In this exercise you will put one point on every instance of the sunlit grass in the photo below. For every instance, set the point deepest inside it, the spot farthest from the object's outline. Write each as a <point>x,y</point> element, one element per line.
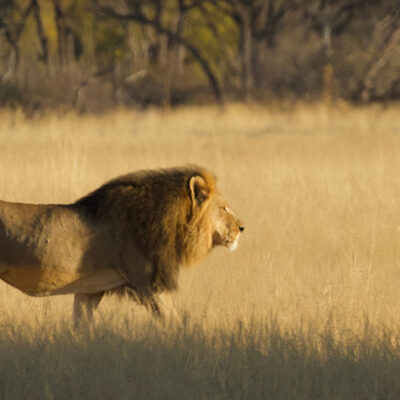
<point>307,307</point>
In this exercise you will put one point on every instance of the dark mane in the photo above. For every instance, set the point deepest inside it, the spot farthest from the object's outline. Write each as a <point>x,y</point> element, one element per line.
<point>153,208</point>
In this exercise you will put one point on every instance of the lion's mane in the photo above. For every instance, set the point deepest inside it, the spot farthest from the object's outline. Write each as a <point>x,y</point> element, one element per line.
<point>155,208</point>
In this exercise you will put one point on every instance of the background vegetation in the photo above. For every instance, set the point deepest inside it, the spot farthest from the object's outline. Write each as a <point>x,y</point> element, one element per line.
<point>95,54</point>
<point>306,308</point>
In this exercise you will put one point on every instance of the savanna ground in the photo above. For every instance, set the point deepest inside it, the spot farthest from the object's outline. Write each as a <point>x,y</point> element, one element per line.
<point>308,307</point>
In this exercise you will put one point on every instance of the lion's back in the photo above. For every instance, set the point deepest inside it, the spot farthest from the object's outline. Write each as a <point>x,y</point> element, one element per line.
<point>44,248</point>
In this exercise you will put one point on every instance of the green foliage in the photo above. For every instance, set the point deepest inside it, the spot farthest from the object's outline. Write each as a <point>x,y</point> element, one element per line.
<point>210,29</point>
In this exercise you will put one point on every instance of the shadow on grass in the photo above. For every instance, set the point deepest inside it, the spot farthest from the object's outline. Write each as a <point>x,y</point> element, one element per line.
<point>253,362</point>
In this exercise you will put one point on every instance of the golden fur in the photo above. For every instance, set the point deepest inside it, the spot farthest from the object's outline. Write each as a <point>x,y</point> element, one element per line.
<point>132,235</point>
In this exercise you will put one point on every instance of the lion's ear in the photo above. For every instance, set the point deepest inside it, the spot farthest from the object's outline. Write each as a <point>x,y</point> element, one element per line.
<point>199,190</point>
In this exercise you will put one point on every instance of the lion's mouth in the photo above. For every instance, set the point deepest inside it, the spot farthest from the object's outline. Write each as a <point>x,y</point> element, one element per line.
<point>232,245</point>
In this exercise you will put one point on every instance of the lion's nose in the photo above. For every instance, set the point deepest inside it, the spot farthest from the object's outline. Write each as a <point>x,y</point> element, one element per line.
<point>241,228</point>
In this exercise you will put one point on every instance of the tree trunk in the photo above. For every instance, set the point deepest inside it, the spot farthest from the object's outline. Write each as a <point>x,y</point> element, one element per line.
<point>173,53</point>
<point>14,58</point>
<point>379,62</point>
<point>13,63</point>
<point>327,74</point>
<point>245,51</point>
<point>61,27</point>
<point>44,56</point>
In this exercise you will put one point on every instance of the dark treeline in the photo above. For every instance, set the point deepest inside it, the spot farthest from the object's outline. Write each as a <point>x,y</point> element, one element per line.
<point>95,54</point>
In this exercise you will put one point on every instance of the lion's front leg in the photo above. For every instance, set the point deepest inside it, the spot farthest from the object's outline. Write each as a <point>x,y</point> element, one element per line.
<point>84,305</point>
<point>163,308</point>
<point>161,305</point>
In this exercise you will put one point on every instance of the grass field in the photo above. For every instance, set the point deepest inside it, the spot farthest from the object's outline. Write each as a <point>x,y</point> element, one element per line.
<point>308,307</point>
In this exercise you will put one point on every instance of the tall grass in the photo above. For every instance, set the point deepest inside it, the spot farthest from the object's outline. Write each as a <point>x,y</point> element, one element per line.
<point>306,308</point>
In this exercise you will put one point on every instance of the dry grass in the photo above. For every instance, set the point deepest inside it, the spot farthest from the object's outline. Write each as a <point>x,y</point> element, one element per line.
<point>307,307</point>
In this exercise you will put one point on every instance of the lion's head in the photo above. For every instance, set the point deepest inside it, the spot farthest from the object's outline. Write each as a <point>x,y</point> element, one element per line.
<point>175,216</point>
<point>211,212</point>
<point>226,226</point>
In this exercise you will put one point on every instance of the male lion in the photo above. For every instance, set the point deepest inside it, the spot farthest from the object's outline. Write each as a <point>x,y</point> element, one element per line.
<point>130,236</point>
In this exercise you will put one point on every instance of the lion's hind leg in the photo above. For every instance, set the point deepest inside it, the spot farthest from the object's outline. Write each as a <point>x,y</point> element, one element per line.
<point>84,305</point>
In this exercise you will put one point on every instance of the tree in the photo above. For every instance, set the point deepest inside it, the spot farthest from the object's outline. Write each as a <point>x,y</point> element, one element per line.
<point>330,18</point>
<point>258,23</point>
<point>12,29</point>
<point>378,62</point>
<point>137,12</point>
<point>44,55</point>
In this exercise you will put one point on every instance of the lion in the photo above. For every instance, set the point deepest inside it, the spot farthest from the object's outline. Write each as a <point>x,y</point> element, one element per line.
<point>132,235</point>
